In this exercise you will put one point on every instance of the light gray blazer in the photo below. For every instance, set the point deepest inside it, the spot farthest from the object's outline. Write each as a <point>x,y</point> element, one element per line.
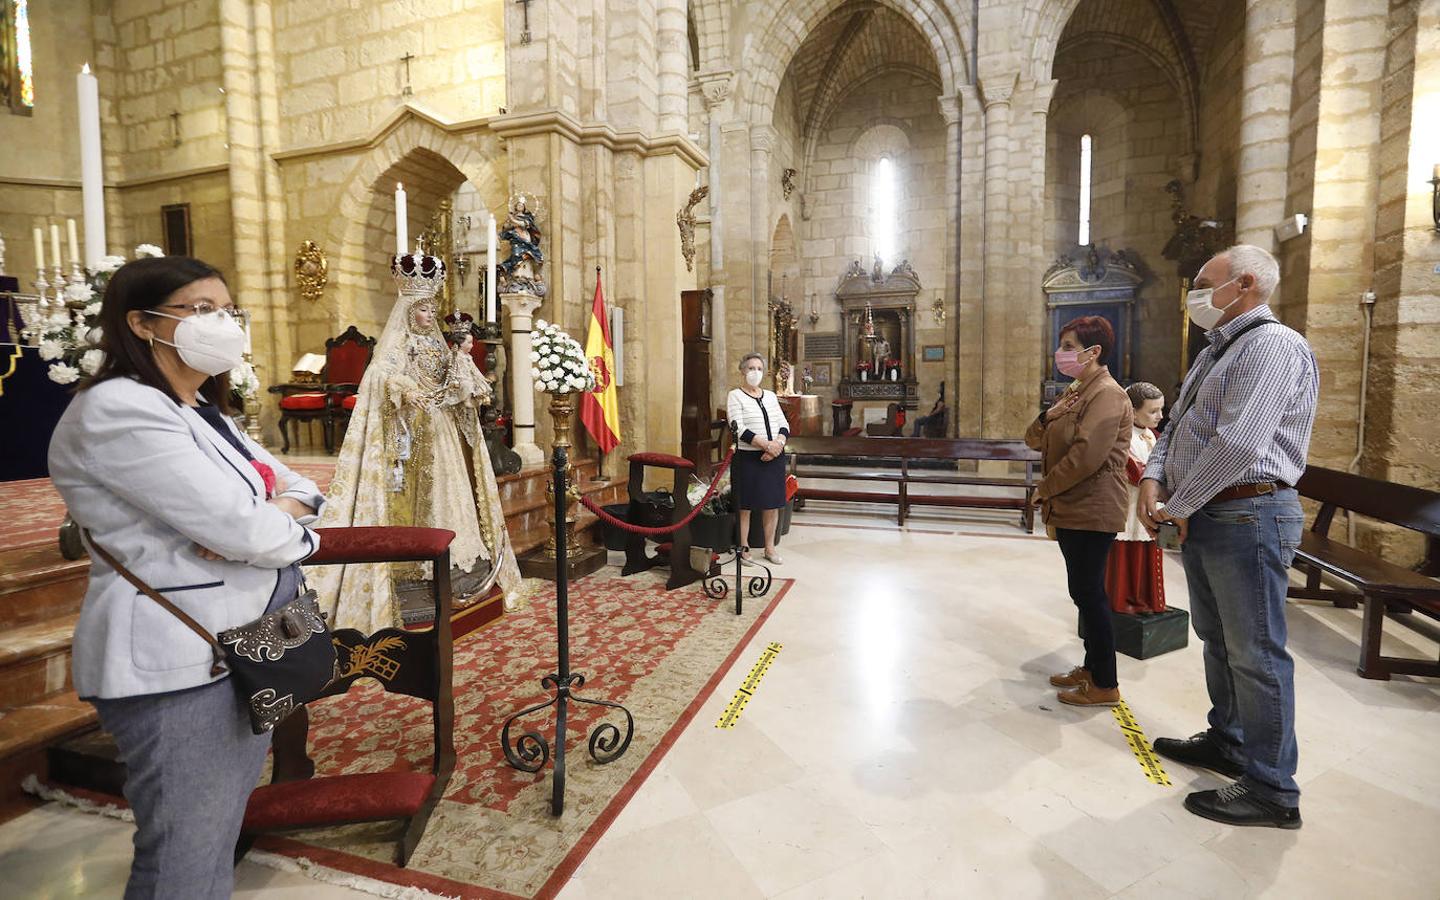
<point>150,478</point>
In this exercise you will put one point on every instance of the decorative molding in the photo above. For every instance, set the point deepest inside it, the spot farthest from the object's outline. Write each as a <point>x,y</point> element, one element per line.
<point>393,121</point>
<point>787,182</point>
<point>763,138</point>
<point>715,87</point>
<point>685,221</point>
<point>557,122</point>
<point>143,181</point>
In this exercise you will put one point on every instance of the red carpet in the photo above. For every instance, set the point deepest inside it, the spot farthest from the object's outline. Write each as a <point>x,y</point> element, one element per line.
<point>31,511</point>
<point>660,653</point>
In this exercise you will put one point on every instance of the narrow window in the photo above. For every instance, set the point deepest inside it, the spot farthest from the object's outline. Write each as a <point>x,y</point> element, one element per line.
<point>1085,152</point>
<point>882,205</point>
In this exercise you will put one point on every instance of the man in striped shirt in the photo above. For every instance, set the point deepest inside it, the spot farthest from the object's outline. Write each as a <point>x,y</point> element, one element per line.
<point>1225,469</point>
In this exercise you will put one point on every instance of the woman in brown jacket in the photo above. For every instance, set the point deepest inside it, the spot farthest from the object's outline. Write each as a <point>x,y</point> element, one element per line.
<point>1084,439</point>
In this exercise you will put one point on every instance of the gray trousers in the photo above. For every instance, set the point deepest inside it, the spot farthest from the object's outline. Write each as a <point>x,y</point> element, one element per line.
<point>191,763</point>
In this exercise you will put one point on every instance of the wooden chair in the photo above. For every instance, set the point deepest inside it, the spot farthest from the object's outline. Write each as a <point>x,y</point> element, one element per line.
<point>347,356</point>
<point>415,663</point>
<point>893,426</point>
<point>636,559</point>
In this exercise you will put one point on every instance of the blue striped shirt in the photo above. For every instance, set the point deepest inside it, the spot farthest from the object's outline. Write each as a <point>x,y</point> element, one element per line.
<point>1250,420</point>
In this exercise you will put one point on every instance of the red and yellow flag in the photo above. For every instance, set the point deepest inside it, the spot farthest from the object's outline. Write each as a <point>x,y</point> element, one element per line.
<point>600,408</point>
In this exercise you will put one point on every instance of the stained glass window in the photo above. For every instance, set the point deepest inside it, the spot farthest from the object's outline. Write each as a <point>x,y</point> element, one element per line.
<point>24,62</point>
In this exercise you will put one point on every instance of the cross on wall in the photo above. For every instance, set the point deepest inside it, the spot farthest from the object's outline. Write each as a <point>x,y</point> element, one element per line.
<point>525,31</point>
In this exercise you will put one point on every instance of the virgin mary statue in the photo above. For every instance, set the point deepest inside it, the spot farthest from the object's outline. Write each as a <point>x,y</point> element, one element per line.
<point>413,456</point>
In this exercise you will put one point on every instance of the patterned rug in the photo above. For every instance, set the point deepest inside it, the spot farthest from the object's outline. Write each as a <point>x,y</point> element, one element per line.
<point>31,511</point>
<point>659,652</point>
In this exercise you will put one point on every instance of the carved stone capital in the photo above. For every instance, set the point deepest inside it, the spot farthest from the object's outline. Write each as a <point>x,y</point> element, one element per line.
<point>996,90</point>
<point>1044,93</point>
<point>763,138</point>
<point>950,109</point>
<point>715,87</point>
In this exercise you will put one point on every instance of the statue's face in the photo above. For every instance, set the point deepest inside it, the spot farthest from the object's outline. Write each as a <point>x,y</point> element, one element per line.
<point>423,315</point>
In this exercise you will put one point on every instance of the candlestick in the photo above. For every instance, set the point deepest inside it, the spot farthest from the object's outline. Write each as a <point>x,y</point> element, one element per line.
<point>402,226</point>
<point>92,174</point>
<point>491,313</point>
<point>74,244</point>
<point>40,253</point>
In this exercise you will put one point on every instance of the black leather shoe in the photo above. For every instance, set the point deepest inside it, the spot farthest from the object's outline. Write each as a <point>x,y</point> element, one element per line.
<point>1236,805</point>
<point>1200,752</point>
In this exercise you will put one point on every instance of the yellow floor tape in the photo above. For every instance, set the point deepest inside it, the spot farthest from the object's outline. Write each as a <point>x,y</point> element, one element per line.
<point>1135,737</point>
<point>747,688</point>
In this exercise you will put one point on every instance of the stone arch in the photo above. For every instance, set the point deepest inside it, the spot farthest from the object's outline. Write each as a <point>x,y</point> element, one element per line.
<point>710,24</point>
<point>360,230</point>
<point>785,258</point>
<point>789,23</point>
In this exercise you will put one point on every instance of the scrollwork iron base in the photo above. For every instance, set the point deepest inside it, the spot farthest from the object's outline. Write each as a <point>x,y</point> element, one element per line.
<point>756,585</point>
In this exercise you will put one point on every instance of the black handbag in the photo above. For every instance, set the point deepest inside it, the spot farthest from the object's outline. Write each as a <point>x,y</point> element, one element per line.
<point>278,663</point>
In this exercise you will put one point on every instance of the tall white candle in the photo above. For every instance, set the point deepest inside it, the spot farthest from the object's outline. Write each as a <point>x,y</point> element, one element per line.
<point>55,245</point>
<point>249,324</point>
<point>402,225</point>
<point>39,249</point>
<point>491,314</point>
<point>74,244</point>
<point>92,174</point>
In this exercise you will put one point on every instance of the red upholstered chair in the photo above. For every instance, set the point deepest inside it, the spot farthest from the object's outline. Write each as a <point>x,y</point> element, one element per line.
<point>346,358</point>
<point>416,663</point>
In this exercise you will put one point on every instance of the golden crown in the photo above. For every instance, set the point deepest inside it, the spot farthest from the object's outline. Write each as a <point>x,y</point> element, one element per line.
<point>418,276</point>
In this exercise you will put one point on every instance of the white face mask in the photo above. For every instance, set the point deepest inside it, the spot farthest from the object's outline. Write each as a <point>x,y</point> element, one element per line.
<point>753,377</point>
<point>1204,313</point>
<point>212,343</point>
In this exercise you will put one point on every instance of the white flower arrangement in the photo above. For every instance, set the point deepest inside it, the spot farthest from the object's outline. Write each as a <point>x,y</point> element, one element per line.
<point>63,373</point>
<point>90,361</point>
<point>244,383</point>
<point>559,363</point>
<point>108,265</point>
<point>144,250</point>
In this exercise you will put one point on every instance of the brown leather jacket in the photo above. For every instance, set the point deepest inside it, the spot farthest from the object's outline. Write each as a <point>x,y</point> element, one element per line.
<point>1083,458</point>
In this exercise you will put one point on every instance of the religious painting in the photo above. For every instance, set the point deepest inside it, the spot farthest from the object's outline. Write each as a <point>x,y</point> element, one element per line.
<point>933,353</point>
<point>823,373</point>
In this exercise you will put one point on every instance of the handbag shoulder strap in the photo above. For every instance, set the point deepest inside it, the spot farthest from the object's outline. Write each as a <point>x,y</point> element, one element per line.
<point>219,667</point>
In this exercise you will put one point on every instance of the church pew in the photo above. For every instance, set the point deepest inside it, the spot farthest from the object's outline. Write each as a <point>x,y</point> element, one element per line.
<point>863,450</point>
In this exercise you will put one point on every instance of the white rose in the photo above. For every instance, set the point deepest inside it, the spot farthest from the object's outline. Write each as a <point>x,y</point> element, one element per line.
<point>148,250</point>
<point>108,264</point>
<point>91,360</point>
<point>540,324</point>
<point>93,309</point>
<point>79,292</point>
<point>60,373</point>
<point>94,335</point>
<point>535,372</point>
<point>51,350</point>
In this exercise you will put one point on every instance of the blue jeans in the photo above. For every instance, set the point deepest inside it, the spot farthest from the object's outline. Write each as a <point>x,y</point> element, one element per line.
<point>1236,558</point>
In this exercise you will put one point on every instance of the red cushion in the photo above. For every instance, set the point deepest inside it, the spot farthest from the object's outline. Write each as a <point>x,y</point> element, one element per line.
<point>349,401</point>
<point>303,401</point>
<point>851,432</point>
<point>377,543</point>
<point>842,402</point>
<point>661,460</point>
<point>363,797</point>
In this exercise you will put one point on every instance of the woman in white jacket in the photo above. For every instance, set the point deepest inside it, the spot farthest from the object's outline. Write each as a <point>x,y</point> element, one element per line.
<point>160,478</point>
<point>759,464</point>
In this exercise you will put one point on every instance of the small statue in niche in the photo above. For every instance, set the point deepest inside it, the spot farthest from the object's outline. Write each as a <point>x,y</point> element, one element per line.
<point>877,272</point>
<point>856,270</point>
<point>520,271</point>
<point>903,269</point>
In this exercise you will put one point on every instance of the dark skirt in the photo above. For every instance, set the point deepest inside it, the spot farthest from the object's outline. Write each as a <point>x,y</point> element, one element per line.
<point>761,484</point>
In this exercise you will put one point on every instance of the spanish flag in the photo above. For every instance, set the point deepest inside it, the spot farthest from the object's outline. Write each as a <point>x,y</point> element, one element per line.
<point>600,408</point>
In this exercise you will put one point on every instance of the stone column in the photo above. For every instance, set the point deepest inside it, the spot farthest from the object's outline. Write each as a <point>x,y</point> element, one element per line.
<point>999,253</point>
<point>1266,81</point>
<point>762,143</point>
<point>716,92</point>
<point>522,308</point>
<point>950,112</point>
<point>672,40</point>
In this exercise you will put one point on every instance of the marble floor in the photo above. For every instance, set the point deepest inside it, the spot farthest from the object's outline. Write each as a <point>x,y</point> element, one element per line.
<point>904,744</point>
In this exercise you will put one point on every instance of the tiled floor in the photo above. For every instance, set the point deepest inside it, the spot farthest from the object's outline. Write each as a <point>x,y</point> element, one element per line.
<point>904,744</point>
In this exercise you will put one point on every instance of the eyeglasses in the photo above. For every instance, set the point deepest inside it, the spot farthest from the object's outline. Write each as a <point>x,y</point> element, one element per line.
<point>203,308</point>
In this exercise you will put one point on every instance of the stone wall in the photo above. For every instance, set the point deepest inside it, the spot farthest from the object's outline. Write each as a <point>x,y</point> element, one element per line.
<point>1130,109</point>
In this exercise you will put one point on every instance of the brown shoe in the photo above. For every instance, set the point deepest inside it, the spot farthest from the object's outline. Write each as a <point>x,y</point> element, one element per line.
<point>1073,678</point>
<point>1088,694</point>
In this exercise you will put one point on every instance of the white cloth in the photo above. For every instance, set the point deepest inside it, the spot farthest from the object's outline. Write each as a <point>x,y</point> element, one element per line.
<point>761,416</point>
<point>1142,444</point>
<point>151,479</point>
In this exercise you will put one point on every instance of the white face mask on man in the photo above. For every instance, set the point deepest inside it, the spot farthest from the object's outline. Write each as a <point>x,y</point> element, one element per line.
<point>1203,312</point>
<point>213,342</point>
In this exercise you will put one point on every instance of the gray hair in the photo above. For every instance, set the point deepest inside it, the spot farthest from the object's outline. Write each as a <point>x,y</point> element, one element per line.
<point>1141,391</point>
<point>749,356</point>
<point>1248,259</point>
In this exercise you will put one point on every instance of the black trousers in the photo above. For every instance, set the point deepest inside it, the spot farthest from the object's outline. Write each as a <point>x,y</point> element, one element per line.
<point>1086,553</point>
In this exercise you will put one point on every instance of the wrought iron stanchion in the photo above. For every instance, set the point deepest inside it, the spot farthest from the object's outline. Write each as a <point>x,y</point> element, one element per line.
<point>714,583</point>
<point>530,751</point>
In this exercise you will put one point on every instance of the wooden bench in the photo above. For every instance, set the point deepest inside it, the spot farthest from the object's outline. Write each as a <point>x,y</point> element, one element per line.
<point>907,451</point>
<point>1384,588</point>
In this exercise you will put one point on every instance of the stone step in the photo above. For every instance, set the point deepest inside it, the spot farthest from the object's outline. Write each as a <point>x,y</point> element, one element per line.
<point>46,721</point>
<point>37,583</point>
<point>35,660</point>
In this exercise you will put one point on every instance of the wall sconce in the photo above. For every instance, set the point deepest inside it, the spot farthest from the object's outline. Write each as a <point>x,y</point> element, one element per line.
<point>1435,196</point>
<point>937,311</point>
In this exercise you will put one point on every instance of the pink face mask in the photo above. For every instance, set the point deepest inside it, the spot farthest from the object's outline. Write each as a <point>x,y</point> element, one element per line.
<point>1068,362</point>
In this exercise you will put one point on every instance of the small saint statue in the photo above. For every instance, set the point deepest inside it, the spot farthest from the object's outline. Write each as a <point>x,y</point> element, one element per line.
<point>520,271</point>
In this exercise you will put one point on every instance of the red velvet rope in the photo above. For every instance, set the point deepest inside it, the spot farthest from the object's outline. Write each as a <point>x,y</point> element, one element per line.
<point>668,529</point>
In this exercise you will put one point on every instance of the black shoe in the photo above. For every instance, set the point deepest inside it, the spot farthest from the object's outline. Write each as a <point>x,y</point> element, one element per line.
<point>1236,805</point>
<point>1199,752</point>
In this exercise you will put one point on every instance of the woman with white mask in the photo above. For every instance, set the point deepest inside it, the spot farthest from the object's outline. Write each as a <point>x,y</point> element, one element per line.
<point>166,487</point>
<point>759,465</point>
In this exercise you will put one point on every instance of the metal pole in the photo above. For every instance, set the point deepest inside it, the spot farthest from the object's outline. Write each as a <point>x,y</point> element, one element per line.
<point>562,630</point>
